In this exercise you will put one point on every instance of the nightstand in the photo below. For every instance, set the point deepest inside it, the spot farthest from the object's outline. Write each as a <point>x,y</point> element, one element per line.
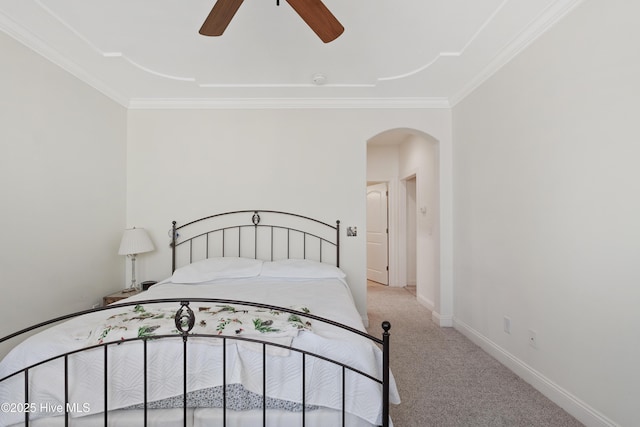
<point>118,296</point>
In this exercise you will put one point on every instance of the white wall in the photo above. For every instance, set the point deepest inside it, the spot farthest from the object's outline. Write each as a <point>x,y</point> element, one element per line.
<point>63,190</point>
<point>411,210</point>
<point>383,162</point>
<point>419,158</point>
<point>546,212</point>
<point>185,164</point>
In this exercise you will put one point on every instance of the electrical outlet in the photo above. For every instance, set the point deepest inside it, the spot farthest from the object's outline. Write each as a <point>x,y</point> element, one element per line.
<point>533,338</point>
<point>506,324</point>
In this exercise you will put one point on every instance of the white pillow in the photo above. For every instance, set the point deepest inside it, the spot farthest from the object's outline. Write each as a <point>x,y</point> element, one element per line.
<point>217,268</point>
<point>301,268</point>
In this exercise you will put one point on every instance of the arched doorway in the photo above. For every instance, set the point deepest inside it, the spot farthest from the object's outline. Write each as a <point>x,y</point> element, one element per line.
<point>407,160</point>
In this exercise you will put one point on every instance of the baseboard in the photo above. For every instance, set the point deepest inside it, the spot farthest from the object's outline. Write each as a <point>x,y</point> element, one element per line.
<point>442,321</point>
<point>428,304</point>
<point>561,397</point>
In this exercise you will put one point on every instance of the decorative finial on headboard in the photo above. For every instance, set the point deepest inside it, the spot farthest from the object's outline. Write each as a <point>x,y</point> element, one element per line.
<point>173,234</point>
<point>255,218</point>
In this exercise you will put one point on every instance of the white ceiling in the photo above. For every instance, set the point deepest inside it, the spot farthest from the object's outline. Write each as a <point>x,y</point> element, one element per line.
<point>404,53</point>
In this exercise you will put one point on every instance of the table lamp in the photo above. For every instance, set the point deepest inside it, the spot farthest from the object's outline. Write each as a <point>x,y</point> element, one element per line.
<point>135,241</point>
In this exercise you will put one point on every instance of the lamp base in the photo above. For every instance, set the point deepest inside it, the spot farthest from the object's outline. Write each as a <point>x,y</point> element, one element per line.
<point>134,285</point>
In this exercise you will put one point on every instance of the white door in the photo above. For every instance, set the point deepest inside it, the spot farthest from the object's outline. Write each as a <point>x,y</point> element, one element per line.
<point>377,234</point>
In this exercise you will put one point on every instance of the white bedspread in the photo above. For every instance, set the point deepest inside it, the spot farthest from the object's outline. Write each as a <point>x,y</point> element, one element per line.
<point>329,298</point>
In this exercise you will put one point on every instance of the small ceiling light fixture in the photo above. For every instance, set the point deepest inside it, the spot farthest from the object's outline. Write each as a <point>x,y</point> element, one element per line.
<point>319,79</point>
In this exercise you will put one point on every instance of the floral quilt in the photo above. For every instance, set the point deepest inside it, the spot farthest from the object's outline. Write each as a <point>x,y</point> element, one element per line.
<point>228,320</point>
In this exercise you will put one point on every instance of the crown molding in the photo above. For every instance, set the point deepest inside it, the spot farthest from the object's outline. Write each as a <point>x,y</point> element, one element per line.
<point>454,54</point>
<point>549,17</point>
<point>288,103</point>
<point>539,25</point>
<point>32,42</point>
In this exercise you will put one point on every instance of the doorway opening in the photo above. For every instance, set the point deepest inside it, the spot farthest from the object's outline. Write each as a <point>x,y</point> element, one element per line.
<point>406,162</point>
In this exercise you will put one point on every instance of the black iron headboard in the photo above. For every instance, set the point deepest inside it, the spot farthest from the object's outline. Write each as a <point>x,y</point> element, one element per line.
<point>261,234</point>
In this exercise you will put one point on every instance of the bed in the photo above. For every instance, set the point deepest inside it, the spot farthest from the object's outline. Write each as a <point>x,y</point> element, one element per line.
<point>256,326</point>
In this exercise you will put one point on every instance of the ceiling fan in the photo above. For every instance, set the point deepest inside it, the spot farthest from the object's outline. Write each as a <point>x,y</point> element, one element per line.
<point>313,12</point>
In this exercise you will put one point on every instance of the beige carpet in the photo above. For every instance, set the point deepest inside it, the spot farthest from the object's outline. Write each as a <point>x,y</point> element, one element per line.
<point>446,380</point>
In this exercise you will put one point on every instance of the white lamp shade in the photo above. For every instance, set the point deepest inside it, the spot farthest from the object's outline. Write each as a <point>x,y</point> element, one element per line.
<point>135,241</point>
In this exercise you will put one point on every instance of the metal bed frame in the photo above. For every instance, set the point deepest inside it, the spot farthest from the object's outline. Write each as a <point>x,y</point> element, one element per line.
<point>220,236</point>
<point>185,319</point>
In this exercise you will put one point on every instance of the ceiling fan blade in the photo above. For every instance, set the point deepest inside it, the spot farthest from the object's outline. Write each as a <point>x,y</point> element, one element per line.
<point>219,17</point>
<point>319,18</point>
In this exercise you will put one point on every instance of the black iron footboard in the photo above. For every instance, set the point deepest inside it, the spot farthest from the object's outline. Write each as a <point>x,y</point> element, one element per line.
<point>185,319</point>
